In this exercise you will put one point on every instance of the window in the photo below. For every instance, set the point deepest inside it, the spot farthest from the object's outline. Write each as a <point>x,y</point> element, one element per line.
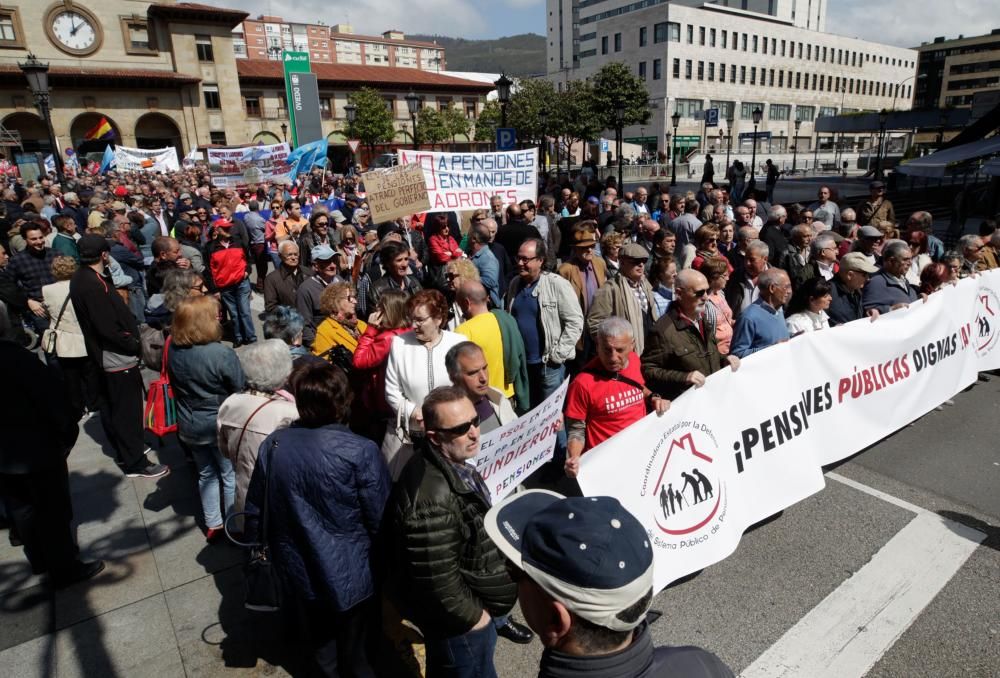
<point>782,48</point>
<point>618,42</point>
<point>814,81</point>
<point>747,109</point>
<point>217,138</point>
<point>325,108</point>
<point>827,111</point>
<point>642,70</point>
<point>755,44</point>
<point>779,112</point>
<point>798,81</point>
<point>667,31</point>
<point>657,69</point>
<point>11,33</point>
<point>604,44</point>
<point>135,32</point>
<point>203,43</point>
<point>753,75</point>
<point>809,52</point>
<point>470,108</point>
<point>711,72</point>
<point>251,102</point>
<point>732,73</point>
<point>743,75</point>
<point>677,68</point>
<point>765,46</point>
<point>211,94</point>
<point>711,38</point>
<point>690,35</point>
<point>642,36</point>
<point>736,41</point>
<point>701,70</point>
<point>725,39</point>
<point>690,108</point>
<point>701,36</point>
<point>771,78</point>
<point>781,78</point>
<point>744,42</point>
<point>722,72</point>
<point>687,69</point>
<point>805,113</point>
<point>725,108</point>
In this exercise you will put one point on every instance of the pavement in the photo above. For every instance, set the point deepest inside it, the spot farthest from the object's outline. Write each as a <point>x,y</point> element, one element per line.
<point>892,571</point>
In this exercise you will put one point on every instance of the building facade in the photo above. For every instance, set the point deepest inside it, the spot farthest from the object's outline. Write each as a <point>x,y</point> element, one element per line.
<point>732,56</point>
<point>951,72</point>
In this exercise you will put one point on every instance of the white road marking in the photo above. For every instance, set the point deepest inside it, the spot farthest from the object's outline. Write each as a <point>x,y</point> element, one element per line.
<point>878,494</point>
<point>852,628</point>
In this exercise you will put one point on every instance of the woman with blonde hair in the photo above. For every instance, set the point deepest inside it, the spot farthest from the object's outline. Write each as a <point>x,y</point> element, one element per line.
<point>339,303</point>
<point>203,373</point>
<point>455,273</point>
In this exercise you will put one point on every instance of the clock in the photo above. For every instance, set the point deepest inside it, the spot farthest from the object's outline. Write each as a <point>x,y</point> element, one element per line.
<point>73,29</point>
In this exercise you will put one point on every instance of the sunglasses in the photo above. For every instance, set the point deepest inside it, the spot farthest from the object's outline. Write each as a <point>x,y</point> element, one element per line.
<point>461,429</point>
<point>699,293</point>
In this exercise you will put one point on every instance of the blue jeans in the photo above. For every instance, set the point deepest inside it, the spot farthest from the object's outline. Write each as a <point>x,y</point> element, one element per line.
<point>237,301</point>
<point>543,380</point>
<point>469,655</point>
<point>216,482</point>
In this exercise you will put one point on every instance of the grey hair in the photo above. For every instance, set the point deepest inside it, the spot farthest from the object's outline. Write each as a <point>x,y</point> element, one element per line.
<point>177,284</point>
<point>266,364</point>
<point>613,327</point>
<point>284,323</point>
<point>759,247</point>
<point>802,229</point>
<point>771,276</point>
<point>746,233</point>
<point>285,244</point>
<point>848,215</point>
<point>775,212</point>
<point>480,234</point>
<point>70,196</point>
<point>454,353</point>
<point>822,241</point>
<point>969,241</point>
<point>921,219</point>
<point>893,248</point>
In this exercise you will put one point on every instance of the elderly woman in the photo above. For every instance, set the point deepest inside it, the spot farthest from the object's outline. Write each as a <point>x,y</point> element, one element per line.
<point>611,245</point>
<point>807,307</point>
<point>717,310</point>
<point>64,338</point>
<point>455,273</point>
<point>662,278</point>
<point>415,367</point>
<point>245,419</point>
<point>917,240</point>
<point>933,277</point>
<point>341,327</point>
<point>286,324</point>
<point>178,284</point>
<point>953,262</point>
<point>326,490</point>
<point>387,321</point>
<point>350,252</point>
<point>706,243</point>
<point>203,373</point>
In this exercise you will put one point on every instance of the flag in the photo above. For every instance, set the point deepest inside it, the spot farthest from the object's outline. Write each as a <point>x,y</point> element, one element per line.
<point>303,158</point>
<point>50,164</point>
<point>102,130</point>
<point>108,160</point>
<point>191,158</point>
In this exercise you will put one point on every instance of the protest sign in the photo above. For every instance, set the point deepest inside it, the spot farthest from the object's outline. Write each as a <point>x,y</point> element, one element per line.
<point>751,443</point>
<point>511,453</point>
<point>146,160</point>
<point>467,181</point>
<point>239,167</point>
<point>396,192</point>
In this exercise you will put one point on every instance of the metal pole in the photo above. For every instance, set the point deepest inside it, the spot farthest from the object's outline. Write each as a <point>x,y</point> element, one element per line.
<point>42,99</point>
<point>413,121</point>
<point>673,171</point>
<point>729,146</point>
<point>753,160</point>
<point>621,145</point>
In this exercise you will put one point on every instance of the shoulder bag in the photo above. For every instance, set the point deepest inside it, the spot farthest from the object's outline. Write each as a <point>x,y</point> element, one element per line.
<point>160,416</point>
<point>50,336</point>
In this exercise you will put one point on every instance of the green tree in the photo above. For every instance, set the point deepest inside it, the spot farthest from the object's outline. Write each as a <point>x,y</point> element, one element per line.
<point>430,127</point>
<point>529,97</point>
<point>613,84</point>
<point>373,122</point>
<point>455,122</point>
<point>575,117</point>
<point>488,121</point>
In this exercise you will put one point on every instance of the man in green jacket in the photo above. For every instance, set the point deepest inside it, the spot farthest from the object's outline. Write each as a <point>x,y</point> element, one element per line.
<point>64,243</point>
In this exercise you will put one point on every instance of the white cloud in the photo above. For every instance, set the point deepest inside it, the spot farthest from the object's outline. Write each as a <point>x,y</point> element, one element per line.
<point>907,24</point>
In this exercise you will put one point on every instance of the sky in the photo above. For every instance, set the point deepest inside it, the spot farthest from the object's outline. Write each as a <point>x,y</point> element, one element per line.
<point>895,22</point>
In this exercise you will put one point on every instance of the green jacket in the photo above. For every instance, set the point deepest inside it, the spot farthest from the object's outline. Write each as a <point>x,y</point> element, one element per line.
<point>65,246</point>
<point>515,359</point>
<point>673,349</point>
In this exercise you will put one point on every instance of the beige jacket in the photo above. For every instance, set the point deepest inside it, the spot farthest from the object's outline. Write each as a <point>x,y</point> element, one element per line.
<point>69,336</point>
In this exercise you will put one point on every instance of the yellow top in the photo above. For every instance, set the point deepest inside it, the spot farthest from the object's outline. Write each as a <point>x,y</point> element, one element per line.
<point>484,330</point>
<point>331,333</point>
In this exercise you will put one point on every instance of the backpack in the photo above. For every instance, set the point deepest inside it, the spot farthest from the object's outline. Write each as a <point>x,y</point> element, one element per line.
<point>152,342</point>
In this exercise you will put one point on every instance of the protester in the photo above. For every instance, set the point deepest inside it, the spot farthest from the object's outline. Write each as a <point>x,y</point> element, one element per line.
<point>228,273</point>
<point>889,290</point>
<point>877,207</point>
<point>166,253</point>
<point>371,356</point>
<point>585,272</point>
<point>64,339</point>
<point>762,324</point>
<point>807,308</point>
<point>717,310</point>
<point>846,291</point>
<point>741,290</point>
<point>31,269</point>
<point>281,285</point>
<point>662,278</point>
<point>971,247</point>
<point>933,278</point>
<point>395,260</point>
<point>456,273</point>
<point>310,290</point>
<point>341,326</point>
<point>629,296</point>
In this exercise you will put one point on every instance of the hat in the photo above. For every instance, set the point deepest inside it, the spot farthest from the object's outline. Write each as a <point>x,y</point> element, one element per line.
<point>634,250</point>
<point>875,185</point>
<point>222,223</point>
<point>90,246</point>
<point>121,191</point>
<point>338,216</point>
<point>185,196</point>
<point>322,253</point>
<point>593,200</point>
<point>584,238</point>
<point>856,261</point>
<point>869,232</point>
<point>118,206</point>
<point>588,553</point>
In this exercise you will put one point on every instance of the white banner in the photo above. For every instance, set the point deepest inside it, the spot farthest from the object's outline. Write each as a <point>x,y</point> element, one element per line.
<point>513,452</point>
<point>146,159</point>
<point>467,181</point>
<point>239,167</point>
<point>749,444</point>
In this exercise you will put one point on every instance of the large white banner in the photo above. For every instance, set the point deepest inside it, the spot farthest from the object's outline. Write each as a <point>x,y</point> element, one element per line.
<point>467,181</point>
<point>511,453</point>
<point>749,444</point>
<point>239,167</point>
<point>146,159</point>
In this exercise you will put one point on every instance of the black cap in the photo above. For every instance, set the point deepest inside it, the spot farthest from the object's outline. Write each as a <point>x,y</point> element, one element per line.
<point>91,246</point>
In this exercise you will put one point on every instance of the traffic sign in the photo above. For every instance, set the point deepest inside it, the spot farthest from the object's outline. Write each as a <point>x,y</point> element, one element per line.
<point>353,144</point>
<point>604,145</point>
<point>506,138</point>
<point>712,117</point>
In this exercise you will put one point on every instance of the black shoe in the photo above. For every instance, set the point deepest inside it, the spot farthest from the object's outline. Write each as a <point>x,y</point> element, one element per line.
<point>80,572</point>
<point>148,470</point>
<point>516,633</point>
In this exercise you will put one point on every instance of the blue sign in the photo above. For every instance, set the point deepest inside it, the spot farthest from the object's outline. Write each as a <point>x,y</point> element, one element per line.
<point>604,145</point>
<point>506,138</point>
<point>712,117</point>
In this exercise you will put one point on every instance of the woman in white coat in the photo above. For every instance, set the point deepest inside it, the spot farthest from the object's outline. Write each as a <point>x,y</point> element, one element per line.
<point>64,341</point>
<point>415,367</point>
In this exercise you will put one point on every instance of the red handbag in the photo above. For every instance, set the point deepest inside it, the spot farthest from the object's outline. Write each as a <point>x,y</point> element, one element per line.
<point>161,409</point>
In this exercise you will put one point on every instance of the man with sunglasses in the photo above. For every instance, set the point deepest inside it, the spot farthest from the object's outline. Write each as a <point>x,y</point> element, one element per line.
<point>446,575</point>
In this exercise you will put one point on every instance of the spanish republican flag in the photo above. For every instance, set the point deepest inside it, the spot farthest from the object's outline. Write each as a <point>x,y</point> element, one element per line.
<point>102,130</point>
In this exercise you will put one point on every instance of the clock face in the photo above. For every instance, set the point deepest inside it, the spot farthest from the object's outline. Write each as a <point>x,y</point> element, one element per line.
<point>74,30</point>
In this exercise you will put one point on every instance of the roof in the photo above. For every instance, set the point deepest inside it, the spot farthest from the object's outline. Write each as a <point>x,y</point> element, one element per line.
<point>106,77</point>
<point>380,38</point>
<point>192,11</point>
<point>938,164</point>
<point>353,75</point>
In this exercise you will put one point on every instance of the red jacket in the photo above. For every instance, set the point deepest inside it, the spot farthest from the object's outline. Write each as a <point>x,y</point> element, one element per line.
<point>227,266</point>
<point>443,249</point>
<point>370,359</point>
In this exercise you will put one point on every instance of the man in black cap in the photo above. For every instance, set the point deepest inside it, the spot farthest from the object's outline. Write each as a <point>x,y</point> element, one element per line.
<point>112,338</point>
<point>585,583</point>
<point>877,208</point>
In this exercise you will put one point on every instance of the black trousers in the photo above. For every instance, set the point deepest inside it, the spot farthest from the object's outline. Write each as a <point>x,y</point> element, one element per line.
<point>82,381</point>
<point>121,415</point>
<point>39,507</point>
<point>339,639</point>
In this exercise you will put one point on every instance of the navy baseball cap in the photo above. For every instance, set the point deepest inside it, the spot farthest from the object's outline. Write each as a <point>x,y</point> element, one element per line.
<point>588,553</point>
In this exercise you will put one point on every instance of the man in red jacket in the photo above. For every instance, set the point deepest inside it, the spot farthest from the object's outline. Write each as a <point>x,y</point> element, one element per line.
<point>228,272</point>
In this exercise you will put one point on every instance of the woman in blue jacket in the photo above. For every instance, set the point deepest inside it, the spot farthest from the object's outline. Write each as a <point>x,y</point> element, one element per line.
<point>326,490</point>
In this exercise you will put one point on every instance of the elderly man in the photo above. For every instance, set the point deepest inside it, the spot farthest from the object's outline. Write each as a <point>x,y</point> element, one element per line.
<point>444,572</point>
<point>629,296</point>
<point>773,233</point>
<point>64,242</point>
<point>499,253</point>
<point>166,257</point>
<point>484,261</point>
<point>741,290</point>
<point>991,254</point>
<point>639,204</point>
<point>823,259</point>
<point>681,350</point>
<point>971,247</point>
<point>762,324</point>
<point>74,209</point>
<point>867,243</point>
<point>496,209</point>
<point>282,284</point>
<point>795,260</point>
<point>744,236</point>
<point>889,290</point>
<point>686,224</point>
<point>852,276</point>
<point>326,264</point>
<point>877,208</point>
<point>608,395</point>
<point>585,272</point>
<point>924,221</point>
<point>483,328</point>
<point>825,210</point>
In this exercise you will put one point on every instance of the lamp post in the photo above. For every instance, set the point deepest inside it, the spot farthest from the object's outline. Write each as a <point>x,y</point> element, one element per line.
<point>729,139</point>
<point>543,120</point>
<point>619,123</point>
<point>943,120</point>
<point>37,74</point>
<point>757,115</point>
<point>413,105</point>
<point>795,146</point>
<point>676,120</point>
<point>883,118</point>
<point>284,132</point>
<point>503,84</point>
<point>351,111</point>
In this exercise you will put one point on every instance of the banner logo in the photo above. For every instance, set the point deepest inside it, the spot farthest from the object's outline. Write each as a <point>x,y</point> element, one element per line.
<point>986,328</point>
<point>688,490</point>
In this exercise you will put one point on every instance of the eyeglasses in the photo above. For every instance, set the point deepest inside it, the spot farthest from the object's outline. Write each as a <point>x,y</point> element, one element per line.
<point>322,223</point>
<point>420,321</point>
<point>451,276</point>
<point>699,293</point>
<point>349,297</point>
<point>524,260</point>
<point>461,429</point>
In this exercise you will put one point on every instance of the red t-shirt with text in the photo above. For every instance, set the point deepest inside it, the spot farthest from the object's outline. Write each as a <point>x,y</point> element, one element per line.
<point>607,405</point>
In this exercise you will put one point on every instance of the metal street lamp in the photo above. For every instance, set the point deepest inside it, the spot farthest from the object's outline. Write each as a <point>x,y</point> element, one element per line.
<point>619,123</point>
<point>37,74</point>
<point>284,132</point>
<point>413,105</point>
<point>543,121</point>
<point>503,84</point>
<point>351,111</point>
<point>676,120</point>
<point>883,118</point>
<point>729,138</point>
<point>795,145</point>
<point>757,116</point>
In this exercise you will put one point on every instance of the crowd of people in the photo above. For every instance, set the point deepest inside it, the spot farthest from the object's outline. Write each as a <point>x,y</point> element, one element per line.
<point>340,436</point>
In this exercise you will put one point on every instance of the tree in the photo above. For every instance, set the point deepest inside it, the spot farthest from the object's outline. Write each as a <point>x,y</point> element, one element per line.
<point>615,83</point>
<point>488,121</point>
<point>455,122</point>
<point>373,122</point>
<point>529,97</point>
<point>575,116</point>
<point>430,127</point>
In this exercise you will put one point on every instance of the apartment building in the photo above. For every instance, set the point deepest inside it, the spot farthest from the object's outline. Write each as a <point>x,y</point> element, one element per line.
<point>951,72</point>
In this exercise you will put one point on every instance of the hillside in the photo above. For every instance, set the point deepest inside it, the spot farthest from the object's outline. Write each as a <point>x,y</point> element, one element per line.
<point>516,54</point>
